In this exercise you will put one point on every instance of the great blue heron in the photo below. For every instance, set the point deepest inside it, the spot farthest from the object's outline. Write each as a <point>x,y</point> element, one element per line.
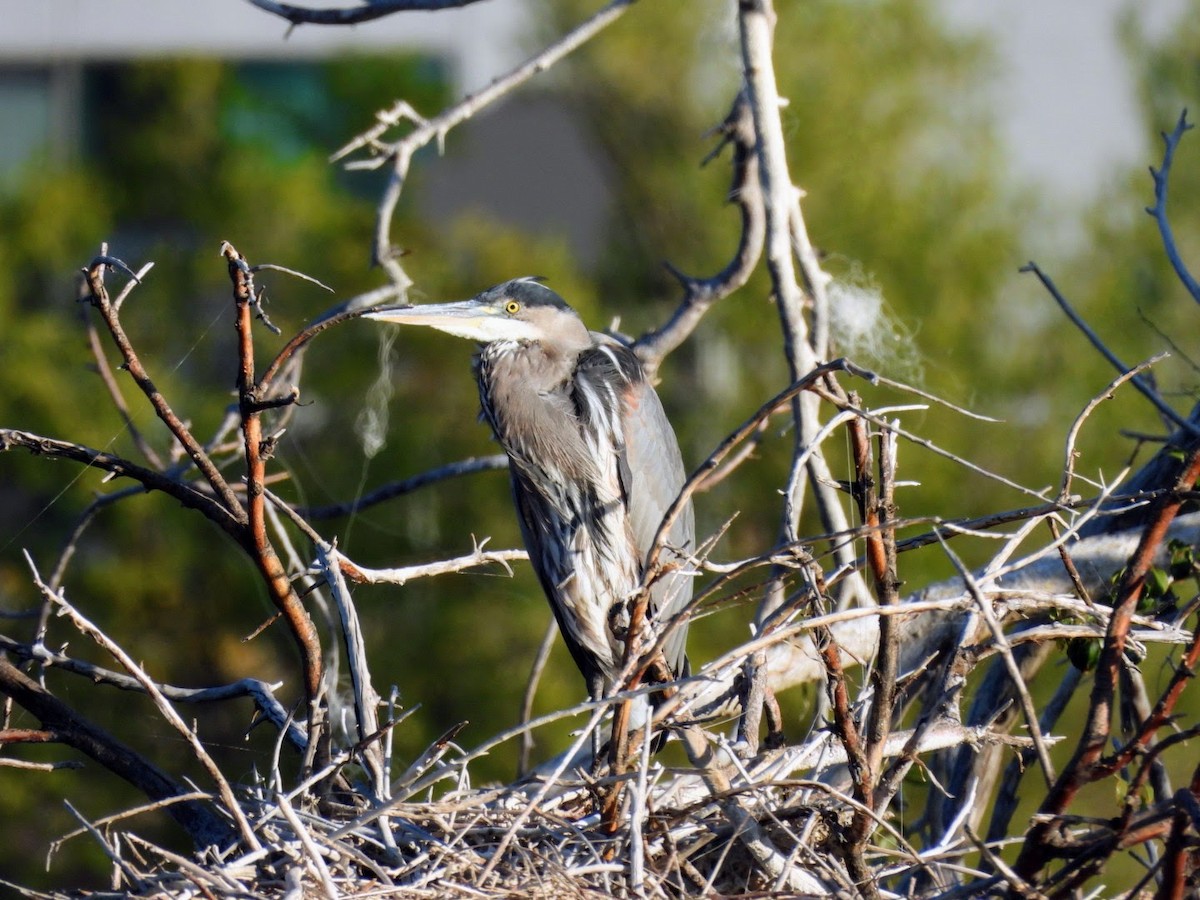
<point>593,460</point>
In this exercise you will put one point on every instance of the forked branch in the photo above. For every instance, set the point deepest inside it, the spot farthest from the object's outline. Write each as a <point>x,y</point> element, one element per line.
<point>1161,177</point>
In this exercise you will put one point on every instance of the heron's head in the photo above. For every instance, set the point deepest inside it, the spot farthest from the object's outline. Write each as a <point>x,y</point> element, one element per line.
<point>520,310</point>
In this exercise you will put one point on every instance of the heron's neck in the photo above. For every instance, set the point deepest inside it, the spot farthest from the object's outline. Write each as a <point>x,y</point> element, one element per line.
<point>526,397</point>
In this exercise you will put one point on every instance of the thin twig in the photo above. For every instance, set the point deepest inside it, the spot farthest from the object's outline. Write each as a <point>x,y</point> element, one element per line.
<point>1070,454</point>
<point>531,685</point>
<point>110,851</point>
<point>1014,670</point>
<point>1137,381</point>
<point>98,296</point>
<point>400,154</point>
<point>1161,178</point>
<point>85,626</point>
<point>352,15</point>
<point>104,370</point>
<point>496,462</point>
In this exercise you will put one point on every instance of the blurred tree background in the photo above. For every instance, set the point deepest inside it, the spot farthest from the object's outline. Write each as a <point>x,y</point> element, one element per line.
<point>908,197</point>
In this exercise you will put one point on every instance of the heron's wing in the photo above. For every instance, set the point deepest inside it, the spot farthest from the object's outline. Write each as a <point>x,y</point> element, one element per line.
<point>651,471</point>
<point>655,469</point>
<point>536,529</point>
<point>618,407</point>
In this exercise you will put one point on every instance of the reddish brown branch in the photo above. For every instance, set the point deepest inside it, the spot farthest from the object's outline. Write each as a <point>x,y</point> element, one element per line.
<point>257,542</point>
<point>1185,672</point>
<point>98,296</point>
<point>849,847</point>
<point>878,514</point>
<point>1176,857</point>
<point>299,341</point>
<point>1128,592</point>
<point>887,663</point>
<point>1087,764</point>
<point>843,715</point>
<point>26,736</point>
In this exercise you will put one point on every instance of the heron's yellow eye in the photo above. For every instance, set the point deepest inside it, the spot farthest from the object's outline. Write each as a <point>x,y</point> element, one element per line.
<point>512,307</point>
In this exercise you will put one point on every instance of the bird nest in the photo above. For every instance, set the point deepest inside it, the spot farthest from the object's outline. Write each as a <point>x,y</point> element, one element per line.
<point>676,834</point>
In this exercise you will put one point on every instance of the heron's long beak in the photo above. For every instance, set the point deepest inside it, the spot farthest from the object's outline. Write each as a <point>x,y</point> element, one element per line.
<point>469,319</point>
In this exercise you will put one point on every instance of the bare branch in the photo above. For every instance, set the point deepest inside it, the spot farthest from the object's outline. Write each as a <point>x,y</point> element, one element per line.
<point>262,693</point>
<point>229,801</point>
<point>479,557</point>
<point>1161,178</point>
<point>469,466</point>
<point>352,15</point>
<point>204,827</point>
<point>98,296</point>
<point>736,437</point>
<point>785,243</point>
<point>366,699</point>
<point>399,154</point>
<point>699,294</point>
<point>1137,381</point>
<point>151,480</point>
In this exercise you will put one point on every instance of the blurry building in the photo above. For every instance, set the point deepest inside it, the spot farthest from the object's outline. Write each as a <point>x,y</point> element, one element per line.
<point>60,64</point>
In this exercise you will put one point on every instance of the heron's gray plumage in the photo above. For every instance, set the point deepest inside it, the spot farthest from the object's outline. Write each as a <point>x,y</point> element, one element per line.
<point>593,460</point>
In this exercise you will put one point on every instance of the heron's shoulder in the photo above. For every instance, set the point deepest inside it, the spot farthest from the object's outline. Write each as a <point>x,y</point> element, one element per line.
<point>608,359</point>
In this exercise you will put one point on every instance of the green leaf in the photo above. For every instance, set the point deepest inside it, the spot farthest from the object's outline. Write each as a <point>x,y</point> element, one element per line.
<point>1084,653</point>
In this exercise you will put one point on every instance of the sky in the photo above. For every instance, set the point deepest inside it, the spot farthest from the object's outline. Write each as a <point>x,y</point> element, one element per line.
<point>1065,92</point>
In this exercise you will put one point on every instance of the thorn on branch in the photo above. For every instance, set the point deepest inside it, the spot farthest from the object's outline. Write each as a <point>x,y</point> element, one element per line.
<point>392,252</point>
<point>252,403</point>
<point>267,445</point>
<point>261,314</point>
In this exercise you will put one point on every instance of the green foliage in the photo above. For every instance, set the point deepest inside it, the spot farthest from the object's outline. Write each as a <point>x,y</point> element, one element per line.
<point>1084,652</point>
<point>1183,560</point>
